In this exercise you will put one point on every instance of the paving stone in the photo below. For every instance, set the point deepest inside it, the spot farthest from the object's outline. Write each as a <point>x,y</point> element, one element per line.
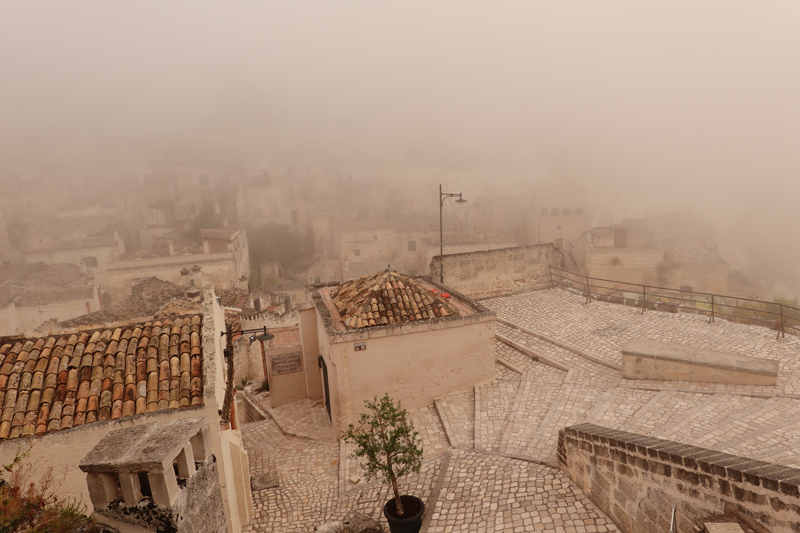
<point>486,493</point>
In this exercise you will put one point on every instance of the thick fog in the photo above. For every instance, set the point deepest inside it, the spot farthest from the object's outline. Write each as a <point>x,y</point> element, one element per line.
<point>689,105</point>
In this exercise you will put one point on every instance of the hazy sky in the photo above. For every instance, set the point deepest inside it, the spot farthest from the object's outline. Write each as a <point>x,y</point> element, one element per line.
<point>685,98</point>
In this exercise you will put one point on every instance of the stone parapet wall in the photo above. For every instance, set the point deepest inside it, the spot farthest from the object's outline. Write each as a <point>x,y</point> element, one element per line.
<point>636,480</point>
<point>501,272</point>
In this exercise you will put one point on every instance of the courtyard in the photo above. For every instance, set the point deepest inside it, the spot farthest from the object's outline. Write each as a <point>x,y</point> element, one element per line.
<point>489,461</point>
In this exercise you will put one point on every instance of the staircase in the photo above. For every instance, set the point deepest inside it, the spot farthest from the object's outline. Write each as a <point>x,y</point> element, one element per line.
<point>541,387</point>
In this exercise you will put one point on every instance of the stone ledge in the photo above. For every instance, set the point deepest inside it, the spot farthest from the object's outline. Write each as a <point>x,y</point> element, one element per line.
<point>771,476</point>
<point>655,360</point>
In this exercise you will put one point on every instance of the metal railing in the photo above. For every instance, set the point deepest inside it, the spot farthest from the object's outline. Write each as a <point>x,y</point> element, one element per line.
<point>774,315</point>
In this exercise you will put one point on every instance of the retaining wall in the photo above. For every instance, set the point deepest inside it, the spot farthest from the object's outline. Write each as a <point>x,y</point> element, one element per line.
<point>501,272</point>
<point>635,480</point>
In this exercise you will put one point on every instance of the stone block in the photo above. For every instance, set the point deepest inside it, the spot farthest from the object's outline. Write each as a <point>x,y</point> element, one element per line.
<point>131,488</point>
<point>186,461</point>
<point>163,486</point>
<point>102,489</point>
<point>358,523</point>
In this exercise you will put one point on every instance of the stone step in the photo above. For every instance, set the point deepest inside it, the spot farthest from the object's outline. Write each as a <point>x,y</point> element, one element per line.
<point>457,412</point>
<point>716,411</point>
<point>538,388</point>
<point>520,361</point>
<point>493,403</point>
<point>741,424</point>
<point>617,406</point>
<point>570,406</point>
<point>560,356</point>
<point>431,431</point>
<point>663,411</point>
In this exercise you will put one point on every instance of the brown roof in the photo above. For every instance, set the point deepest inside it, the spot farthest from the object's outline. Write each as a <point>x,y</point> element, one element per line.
<point>147,298</point>
<point>387,298</point>
<point>59,274</point>
<point>235,298</point>
<point>227,233</point>
<point>63,381</point>
<point>31,298</point>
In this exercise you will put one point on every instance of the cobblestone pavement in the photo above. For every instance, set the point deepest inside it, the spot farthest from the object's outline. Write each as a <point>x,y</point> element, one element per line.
<point>484,493</point>
<point>303,418</point>
<point>513,421</point>
<point>603,328</point>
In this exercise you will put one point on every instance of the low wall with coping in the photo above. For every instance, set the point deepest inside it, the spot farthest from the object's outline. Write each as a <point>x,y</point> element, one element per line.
<point>501,272</point>
<point>636,480</point>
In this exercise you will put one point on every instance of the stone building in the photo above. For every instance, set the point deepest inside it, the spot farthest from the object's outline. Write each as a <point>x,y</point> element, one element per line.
<point>76,389</point>
<point>33,295</point>
<point>92,253</point>
<point>388,333</point>
<point>675,252</point>
<point>557,214</point>
<point>223,261</point>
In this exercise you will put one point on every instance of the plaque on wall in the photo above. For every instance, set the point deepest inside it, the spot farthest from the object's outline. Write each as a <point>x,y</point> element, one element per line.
<point>286,363</point>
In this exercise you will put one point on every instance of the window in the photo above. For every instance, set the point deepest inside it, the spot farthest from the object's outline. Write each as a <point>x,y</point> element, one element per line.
<point>356,252</point>
<point>558,227</point>
<point>555,211</point>
<point>90,262</point>
<point>316,281</point>
<point>191,282</point>
<point>294,217</point>
<point>578,210</point>
<point>412,272</point>
<point>412,246</point>
<point>566,212</point>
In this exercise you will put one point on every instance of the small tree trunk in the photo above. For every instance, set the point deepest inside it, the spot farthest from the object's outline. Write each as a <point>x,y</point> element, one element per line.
<point>397,502</point>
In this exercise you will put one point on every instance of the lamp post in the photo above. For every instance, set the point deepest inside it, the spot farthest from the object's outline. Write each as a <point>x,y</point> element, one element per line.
<point>442,197</point>
<point>265,336</point>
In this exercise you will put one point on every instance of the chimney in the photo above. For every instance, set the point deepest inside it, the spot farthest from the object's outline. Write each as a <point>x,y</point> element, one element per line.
<point>171,245</point>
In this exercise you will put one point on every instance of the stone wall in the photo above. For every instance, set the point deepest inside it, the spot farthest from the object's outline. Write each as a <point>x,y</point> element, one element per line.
<point>491,273</point>
<point>636,480</point>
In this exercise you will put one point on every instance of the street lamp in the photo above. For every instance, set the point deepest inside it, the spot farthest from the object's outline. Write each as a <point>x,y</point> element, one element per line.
<point>442,197</point>
<point>265,336</point>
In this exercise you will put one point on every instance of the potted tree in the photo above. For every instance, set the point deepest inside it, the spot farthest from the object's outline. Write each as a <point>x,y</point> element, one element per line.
<point>386,439</point>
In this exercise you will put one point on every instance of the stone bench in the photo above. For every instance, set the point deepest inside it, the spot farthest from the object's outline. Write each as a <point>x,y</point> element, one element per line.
<point>649,359</point>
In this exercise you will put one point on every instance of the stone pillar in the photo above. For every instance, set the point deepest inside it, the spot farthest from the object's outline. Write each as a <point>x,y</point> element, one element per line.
<point>201,444</point>
<point>102,489</point>
<point>163,486</point>
<point>131,488</point>
<point>186,462</point>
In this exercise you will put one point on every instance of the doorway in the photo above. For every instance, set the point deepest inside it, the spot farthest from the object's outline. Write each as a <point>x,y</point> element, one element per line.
<point>325,387</point>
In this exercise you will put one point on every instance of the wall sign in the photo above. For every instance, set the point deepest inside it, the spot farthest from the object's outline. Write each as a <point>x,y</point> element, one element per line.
<point>286,363</point>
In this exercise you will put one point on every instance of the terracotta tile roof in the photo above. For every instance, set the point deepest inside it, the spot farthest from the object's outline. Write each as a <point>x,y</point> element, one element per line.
<point>7,294</point>
<point>387,298</point>
<point>235,298</point>
<point>16,272</point>
<point>31,298</point>
<point>60,382</point>
<point>58,274</point>
<point>146,299</point>
<point>228,233</point>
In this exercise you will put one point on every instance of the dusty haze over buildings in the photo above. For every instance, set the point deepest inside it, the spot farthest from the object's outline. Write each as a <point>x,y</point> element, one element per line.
<point>692,105</point>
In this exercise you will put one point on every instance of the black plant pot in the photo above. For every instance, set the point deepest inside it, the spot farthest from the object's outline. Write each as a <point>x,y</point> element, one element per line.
<point>408,523</point>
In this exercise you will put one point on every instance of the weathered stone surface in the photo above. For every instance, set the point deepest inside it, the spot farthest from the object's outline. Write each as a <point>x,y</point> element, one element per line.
<point>650,359</point>
<point>144,448</point>
<point>330,527</point>
<point>264,481</point>
<point>358,523</point>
